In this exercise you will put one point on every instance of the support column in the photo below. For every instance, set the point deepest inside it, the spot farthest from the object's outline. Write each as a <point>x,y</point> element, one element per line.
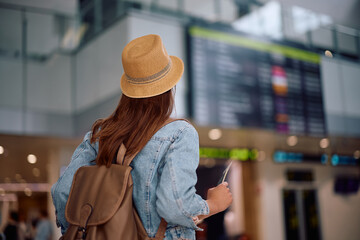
<point>59,157</point>
<point>235,217</point>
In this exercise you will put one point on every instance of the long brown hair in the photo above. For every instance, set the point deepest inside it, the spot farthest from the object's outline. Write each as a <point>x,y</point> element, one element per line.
<point>134,122</point>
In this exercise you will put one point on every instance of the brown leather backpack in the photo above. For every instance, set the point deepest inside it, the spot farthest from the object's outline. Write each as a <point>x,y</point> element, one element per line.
<point>100,204</point>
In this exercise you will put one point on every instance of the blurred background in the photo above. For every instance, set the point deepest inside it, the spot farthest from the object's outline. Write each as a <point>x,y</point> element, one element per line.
<point>271,85</point>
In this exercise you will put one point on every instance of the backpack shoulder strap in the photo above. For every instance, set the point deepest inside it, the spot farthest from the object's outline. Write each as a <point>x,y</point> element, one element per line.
<point>161,230</point>
<point>121,154</point>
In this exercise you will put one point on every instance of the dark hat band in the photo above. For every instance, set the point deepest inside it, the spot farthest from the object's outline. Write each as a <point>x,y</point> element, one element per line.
<point>153,78</point>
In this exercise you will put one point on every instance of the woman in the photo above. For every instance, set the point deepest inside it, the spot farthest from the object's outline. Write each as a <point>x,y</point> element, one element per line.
<point>164,171</point>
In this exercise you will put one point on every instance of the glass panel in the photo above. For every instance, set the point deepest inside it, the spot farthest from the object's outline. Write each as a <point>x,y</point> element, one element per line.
<point>201,8</point>
<point>168,4</point>
<point>42,35</point>
<point>10,33</point>
<point>311,215</point>
<point>323,37</point>
<point>11,83</point>
<point>347,43</point>
<point>109,11</point>
<point>291,215</point>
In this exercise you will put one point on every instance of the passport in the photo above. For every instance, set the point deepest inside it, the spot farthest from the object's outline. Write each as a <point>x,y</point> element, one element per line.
<point>224,174</point>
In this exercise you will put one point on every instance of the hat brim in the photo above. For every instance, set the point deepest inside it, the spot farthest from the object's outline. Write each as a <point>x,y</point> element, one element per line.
<point>154,88</point>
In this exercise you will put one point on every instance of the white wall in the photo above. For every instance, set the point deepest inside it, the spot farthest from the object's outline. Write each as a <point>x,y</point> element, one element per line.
<point>47,108</point>
<point>332,88</point>
<point>341,84</point>
<point>99,68</point>
<point>351,80</point>
<point>173,36</point>
<point>339,215</point>
<point>11,95</point>
<point>49,85</point>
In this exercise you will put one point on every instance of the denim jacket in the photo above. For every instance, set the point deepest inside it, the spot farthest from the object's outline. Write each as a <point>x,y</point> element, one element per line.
<point>164,175</point>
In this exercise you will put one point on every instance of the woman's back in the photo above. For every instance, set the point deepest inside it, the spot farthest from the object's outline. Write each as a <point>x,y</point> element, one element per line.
<point>164,175</point>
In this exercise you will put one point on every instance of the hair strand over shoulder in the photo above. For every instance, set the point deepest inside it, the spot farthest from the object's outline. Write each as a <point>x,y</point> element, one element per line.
<point>133,123</point>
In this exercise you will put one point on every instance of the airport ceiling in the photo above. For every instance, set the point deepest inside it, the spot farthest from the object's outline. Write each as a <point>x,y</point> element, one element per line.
<point>344,12</point>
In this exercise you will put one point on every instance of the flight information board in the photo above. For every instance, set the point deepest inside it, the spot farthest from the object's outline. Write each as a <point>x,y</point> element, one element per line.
<point>237,81</point>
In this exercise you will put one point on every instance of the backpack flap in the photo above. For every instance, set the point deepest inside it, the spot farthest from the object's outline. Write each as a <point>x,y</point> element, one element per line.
<point>100,188</point>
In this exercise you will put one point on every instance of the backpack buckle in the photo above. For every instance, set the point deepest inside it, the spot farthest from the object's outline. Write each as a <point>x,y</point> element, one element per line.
<point>81,233</point>
<point>85,214</point>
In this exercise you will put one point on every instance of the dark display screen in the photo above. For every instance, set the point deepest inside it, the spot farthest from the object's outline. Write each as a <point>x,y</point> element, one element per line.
<point>291,217</point>
<point>341,160</point>
<point>299,175</point>
<point>346,185</point>
<point>298,157</point>
<point>237,81</point>
<point>311,215</point>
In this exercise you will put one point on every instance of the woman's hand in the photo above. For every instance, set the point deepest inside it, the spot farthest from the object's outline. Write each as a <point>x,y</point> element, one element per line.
<point>219,198</point>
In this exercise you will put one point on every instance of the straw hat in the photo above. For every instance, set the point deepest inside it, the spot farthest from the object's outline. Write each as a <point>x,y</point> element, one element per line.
<point>148,69</point>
